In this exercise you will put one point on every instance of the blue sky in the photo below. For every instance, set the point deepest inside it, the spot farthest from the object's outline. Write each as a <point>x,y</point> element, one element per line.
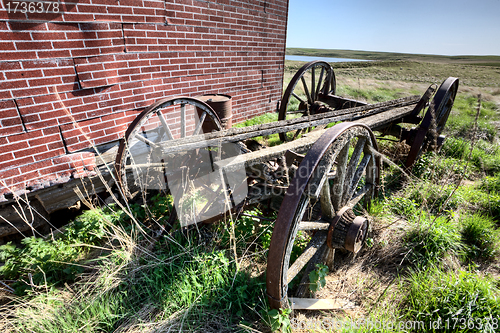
<point>446,27</point>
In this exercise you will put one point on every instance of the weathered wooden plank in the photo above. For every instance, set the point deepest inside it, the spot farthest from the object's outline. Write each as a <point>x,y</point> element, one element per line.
<point>270,128</point>
<point>320,304</point>
<point>385,118</point>
<point>301,145</point>
<point>64,195</point>
<point>314,245</point>
<point>21,217</point>
<point>239,134</point>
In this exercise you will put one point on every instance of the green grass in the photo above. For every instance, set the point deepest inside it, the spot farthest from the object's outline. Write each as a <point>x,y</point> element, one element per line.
<point>270,140</point>
<point>444,198</point>
<point>471,70</point>
<point>431,239</point>
<point>487,203</point>
<point>434,167</point>
<point>491,183</point>
<point>249,231</point>
<point>182,275</point>
<point>54,261</point>
<point>464,113</point>
<point>434,197</point>
<point>370,95</point>
<point>455,299</point>
<point>93,315</point>
<point>402,206</point>
<point>392,56</point>
<point>480,236</point>
<point>257,120</point>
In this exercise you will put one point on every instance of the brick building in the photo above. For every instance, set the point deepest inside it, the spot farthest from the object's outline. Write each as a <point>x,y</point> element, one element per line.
<point>79,76</point>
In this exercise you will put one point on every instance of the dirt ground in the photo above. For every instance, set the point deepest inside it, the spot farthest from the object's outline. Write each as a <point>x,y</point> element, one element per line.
<point>363,281</point>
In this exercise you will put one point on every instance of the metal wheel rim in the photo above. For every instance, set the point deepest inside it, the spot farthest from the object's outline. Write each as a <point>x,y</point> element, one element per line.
<point>328,86</point>
<point>449,90</point>
<point>142,118</point>
<point>296,202</point>
<point>442,103</point>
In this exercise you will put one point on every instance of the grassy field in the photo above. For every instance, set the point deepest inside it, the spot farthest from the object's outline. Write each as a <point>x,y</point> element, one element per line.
<point>390,56</point>
<point>432,258</point>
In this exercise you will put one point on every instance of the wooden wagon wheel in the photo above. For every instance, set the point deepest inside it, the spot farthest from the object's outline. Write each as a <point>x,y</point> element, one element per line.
<point>140,165</point>
<point>316,78</point>
<point>435,118</point>
<point>340,170</point>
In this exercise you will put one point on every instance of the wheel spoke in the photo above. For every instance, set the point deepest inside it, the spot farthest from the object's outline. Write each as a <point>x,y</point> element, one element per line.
<point>210,203</point>
<point>312,200</point>
<point>338,181</point>
<point>183,120</point>
<point>145,165</point>
<point>309,92</point>
<point>313,84</point>
<point>165,125</point>
<point>146,141</point>
<point>353,164</point>
<point>316,242</point>
<point>327,208</point>
<point>319,82</point>
<point>297,97</point>
<point>357,176</point>
<point>319,257</point>
<point>359,195</point>
<point>200,124</point>
<point>309,226</point>
<point>306,90</point>
<point>297,133</point>
<point>329,77</point>
<point>137,164</point>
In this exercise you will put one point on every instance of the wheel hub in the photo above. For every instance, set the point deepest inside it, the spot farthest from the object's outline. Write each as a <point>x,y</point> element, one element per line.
<point>347,231</point>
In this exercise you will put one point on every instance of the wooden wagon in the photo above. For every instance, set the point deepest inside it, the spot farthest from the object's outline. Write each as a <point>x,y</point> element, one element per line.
<point>318,177</point>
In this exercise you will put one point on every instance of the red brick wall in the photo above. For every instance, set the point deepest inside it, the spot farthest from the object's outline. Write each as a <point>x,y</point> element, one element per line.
<point>79,77</point>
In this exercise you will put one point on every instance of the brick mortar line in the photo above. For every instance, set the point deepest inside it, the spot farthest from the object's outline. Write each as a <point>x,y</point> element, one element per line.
<point>232,6</point>
<point>135,52</point>
<point>170,77</point>
<point>125,22</point>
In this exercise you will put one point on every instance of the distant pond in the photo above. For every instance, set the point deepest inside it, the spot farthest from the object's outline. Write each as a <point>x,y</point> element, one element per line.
<point>327,59</point>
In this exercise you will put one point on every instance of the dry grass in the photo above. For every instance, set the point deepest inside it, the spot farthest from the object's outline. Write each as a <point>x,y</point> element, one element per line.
<point>367,280</point>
